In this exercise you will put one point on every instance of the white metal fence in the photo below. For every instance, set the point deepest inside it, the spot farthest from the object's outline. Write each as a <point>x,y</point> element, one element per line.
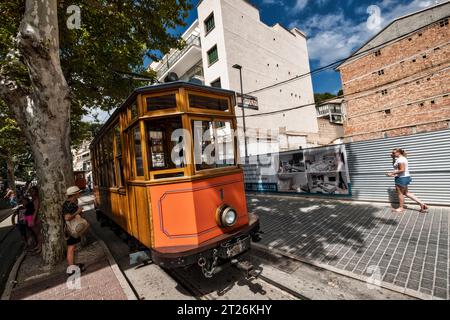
<point>429,162</point>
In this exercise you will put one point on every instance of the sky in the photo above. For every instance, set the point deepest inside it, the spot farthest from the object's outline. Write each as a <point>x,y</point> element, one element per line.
<point>335,28</point>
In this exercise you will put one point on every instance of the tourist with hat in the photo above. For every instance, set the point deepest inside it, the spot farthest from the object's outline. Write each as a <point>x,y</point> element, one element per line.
<point>70,211</point>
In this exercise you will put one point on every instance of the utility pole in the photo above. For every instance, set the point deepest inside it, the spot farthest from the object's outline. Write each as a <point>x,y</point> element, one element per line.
<point>238,67</point>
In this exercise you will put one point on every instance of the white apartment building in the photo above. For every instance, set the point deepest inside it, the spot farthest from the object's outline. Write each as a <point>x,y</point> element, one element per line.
<point>82,159</point>
<point>230,32</point>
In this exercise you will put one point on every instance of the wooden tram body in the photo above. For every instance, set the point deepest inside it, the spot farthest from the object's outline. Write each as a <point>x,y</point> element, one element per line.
<point>174,208</point>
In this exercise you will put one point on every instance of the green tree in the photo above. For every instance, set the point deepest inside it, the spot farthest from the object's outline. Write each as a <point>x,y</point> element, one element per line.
<point>49,71</point>
<point>13,148</point>
<point>321,97</point>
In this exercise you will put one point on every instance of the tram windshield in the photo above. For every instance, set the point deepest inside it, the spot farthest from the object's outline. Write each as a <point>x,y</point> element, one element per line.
<point>163,137</point>
<point>213,144</point>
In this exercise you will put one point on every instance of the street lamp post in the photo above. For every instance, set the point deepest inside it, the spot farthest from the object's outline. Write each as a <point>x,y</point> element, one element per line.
<point>239,67</point>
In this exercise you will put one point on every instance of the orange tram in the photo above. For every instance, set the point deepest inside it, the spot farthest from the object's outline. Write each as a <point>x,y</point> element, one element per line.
<point>179,195</point>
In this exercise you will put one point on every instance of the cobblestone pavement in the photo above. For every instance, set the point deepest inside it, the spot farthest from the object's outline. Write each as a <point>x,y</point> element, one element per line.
<point>408,252</point>
<point>98,282</point>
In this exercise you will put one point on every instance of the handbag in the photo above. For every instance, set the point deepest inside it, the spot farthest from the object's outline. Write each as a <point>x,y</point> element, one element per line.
<point>77,226</point>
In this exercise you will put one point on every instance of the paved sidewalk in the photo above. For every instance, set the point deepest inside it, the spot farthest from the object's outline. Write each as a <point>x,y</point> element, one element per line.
<point>99,282</point>
<point>409,252</point>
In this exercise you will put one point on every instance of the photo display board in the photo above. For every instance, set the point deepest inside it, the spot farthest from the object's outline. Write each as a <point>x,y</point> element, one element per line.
<point>321,170</point>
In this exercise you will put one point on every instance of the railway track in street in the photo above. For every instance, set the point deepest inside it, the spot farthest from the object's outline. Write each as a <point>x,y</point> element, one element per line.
<point>231,284</point>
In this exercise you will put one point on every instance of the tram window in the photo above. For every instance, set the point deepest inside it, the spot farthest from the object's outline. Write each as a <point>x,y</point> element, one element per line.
<point>119,163</point>
<point>110,159</point>
<point>162,102</point>
<point>138,152</point>
<point>103,164</point>
<point>133,111</point>
<point>213,144</point>
<point>203,102</point>
<point>161,146</point>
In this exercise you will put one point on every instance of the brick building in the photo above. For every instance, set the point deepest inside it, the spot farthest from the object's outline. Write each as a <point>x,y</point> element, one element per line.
<point>398,83</point>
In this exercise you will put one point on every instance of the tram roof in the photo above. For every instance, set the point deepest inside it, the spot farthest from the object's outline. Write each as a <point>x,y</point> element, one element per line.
<point>159,87</point>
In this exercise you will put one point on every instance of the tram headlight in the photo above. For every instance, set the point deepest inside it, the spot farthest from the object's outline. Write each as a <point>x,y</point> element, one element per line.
<point>227,217</point>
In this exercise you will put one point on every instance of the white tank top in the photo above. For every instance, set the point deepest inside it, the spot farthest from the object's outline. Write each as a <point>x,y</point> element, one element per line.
<point>397,166</point>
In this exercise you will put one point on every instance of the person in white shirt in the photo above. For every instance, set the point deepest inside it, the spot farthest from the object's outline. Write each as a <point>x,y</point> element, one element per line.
<point>403,180</point>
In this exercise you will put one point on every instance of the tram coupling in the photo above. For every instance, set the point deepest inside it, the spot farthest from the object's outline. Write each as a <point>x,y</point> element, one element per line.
<point>246,267</point>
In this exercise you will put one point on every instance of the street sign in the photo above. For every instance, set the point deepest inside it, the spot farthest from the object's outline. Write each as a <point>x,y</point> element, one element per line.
<point>250,102</point>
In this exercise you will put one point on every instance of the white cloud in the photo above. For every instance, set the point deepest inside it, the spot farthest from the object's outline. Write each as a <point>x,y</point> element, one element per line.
<point>299,5</point>
<point>334,36</point>
<point>272,2</point>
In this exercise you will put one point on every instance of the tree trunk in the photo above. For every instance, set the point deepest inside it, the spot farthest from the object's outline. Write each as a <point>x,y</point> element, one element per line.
<point>54,171</point>
<point>43,113</point>
<point>10,173</point>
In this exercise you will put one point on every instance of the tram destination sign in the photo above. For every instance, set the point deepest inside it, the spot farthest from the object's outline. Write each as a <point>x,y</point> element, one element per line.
<point>250,102</point>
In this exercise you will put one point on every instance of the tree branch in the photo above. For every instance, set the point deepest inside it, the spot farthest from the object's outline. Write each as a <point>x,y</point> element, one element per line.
<point>15,94</point>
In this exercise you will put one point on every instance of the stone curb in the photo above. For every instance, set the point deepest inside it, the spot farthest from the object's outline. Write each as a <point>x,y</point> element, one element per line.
<point>386,285</point>
<point>12,277</point>
<point>126,287</point>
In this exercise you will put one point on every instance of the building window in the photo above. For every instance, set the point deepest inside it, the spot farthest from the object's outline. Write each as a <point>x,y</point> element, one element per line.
<point>381,72</point>
<point>384,92</point>
<point>443,23</point>
<point>216,83</point>
<point>209,23</point>
<point>377,53</point>
<point>213,55</point>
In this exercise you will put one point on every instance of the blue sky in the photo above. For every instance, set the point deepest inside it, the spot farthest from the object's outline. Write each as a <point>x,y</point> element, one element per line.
<point>335,28</point>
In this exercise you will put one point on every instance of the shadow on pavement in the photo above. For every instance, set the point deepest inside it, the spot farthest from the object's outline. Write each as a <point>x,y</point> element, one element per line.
<point>309,228</point>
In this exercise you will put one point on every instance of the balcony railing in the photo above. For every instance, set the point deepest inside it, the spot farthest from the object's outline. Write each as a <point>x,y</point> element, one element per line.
<point>168,62</point>
<point>329,108</point>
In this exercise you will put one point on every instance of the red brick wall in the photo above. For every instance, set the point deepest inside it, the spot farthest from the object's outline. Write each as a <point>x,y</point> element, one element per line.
<point>417,77</point>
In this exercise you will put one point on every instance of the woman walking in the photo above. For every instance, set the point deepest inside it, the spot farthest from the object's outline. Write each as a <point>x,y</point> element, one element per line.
<point>403,180</point>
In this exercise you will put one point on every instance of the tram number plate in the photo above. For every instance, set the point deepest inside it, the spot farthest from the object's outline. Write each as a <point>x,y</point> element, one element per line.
<point>236,248</point>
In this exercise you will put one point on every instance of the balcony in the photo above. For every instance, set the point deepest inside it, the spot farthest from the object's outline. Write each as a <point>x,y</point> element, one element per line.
<point>333,110</point>
<point>182,60</point>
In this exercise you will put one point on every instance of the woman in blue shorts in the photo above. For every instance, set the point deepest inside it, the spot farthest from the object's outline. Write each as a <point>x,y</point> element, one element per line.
<point>403,180</point>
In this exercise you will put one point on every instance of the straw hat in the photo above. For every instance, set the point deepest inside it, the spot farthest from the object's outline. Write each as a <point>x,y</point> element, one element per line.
<point>72,191</point>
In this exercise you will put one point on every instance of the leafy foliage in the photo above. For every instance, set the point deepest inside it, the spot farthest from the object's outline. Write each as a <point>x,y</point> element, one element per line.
<point>321,97</point>
<point>14,146</point>
<point>115,35</point>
